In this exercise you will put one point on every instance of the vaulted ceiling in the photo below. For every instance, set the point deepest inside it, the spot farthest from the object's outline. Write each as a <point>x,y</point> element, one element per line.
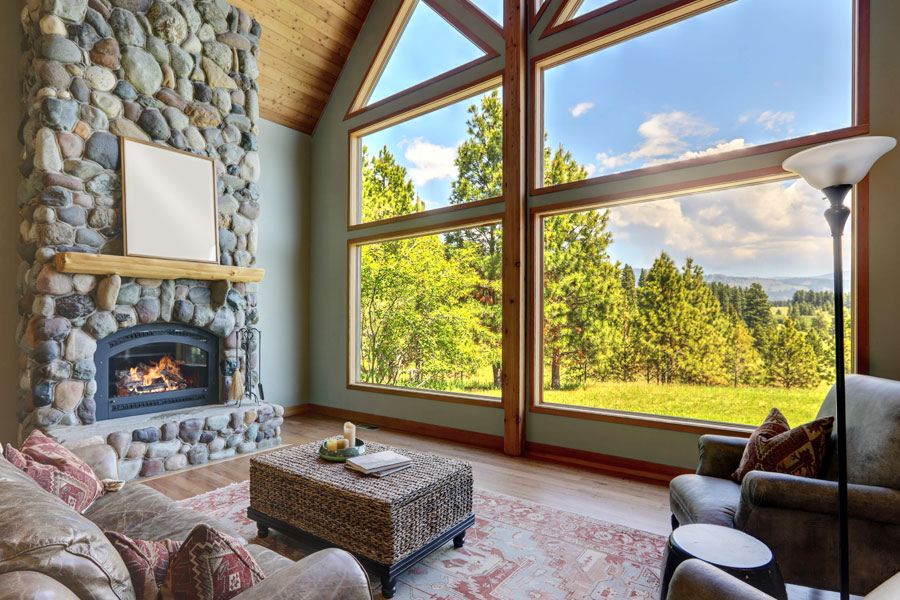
<point>304,46</point>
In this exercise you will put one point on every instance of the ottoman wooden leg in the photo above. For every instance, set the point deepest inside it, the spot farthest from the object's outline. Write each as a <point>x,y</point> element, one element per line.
<point>459,540</point>
<point>262,530</point>
<point>388,586</point>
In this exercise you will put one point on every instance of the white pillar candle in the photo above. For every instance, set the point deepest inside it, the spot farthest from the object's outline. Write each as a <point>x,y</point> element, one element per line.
<point>350,433</point>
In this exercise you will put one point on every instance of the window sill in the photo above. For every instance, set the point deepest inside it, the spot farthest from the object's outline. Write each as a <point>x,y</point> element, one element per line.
<point>643,420</point>
<point>459,398</point>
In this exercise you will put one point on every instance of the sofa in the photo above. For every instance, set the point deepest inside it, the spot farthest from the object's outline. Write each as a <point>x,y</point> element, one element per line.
<point>49,551</point>
<point>797,516</point>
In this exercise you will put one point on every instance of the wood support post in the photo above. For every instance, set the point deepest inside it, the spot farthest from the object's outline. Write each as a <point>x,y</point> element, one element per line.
<point>513,383</point>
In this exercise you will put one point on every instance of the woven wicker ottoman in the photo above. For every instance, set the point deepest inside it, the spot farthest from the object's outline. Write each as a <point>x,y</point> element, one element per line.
<point>389,524</point>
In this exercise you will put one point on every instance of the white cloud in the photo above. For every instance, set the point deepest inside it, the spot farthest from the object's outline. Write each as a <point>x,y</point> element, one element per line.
<point>774,120</point>
<point>663,140</point>
<point>430,161</point>
<point>581,108</point>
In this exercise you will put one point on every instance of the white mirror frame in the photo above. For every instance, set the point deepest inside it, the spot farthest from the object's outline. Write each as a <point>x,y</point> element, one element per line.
<point>169,207</point>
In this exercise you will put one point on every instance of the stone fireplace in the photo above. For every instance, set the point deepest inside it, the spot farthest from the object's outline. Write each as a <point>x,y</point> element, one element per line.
<point>141,364</point>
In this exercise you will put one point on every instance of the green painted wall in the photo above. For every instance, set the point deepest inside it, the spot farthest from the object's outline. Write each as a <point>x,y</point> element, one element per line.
<point>284,254</point>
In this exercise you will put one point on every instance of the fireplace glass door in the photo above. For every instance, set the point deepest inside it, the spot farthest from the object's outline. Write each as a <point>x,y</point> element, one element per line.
<point>155,368</point>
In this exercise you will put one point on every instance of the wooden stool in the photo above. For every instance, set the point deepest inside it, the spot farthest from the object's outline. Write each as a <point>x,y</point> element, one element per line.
<point>733,551</point>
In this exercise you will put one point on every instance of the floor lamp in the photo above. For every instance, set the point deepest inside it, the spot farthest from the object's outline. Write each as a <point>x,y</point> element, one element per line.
<point>834,168</point>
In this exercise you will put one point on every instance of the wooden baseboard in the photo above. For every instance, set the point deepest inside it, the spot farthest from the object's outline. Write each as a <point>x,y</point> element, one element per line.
<point>299,409</point>
<point>627,468</point>
<point>483,440</point>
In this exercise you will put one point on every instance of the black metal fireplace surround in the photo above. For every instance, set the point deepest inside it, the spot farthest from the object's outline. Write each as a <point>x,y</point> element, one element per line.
<point>156,367</point>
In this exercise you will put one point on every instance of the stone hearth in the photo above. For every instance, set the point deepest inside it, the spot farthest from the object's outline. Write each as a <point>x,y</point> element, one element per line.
<point>148,445</point>
<point>178,73</point>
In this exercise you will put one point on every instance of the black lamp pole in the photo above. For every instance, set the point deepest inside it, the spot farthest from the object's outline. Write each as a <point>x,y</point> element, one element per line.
<point>837,215</point>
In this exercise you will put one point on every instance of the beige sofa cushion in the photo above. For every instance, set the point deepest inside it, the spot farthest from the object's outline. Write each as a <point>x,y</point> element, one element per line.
<point>44,535</point>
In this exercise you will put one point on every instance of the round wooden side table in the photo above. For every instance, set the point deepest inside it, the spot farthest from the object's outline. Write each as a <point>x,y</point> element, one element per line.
<point>733,551</point>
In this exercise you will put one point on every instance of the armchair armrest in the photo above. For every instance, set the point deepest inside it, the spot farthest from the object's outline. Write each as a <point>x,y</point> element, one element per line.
<point>720,455</point>
<point>778,490</point>
<point>697,580</point>
<point>327,575</point>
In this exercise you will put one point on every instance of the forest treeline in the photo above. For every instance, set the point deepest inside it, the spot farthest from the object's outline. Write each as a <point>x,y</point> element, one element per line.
<point>430,307</point>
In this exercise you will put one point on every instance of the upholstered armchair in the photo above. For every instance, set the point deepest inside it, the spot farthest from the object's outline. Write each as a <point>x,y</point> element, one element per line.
<point>796,516</point>
<point>697,580</point>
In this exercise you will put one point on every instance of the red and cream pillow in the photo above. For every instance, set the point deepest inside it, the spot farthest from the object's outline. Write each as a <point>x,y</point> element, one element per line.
<point>147,562</point>
<point>210,566</point>
<point>56,469</point>
<point>777,448</point>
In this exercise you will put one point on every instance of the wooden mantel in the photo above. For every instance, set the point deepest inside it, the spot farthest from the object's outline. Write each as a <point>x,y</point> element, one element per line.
<point>152,268</point>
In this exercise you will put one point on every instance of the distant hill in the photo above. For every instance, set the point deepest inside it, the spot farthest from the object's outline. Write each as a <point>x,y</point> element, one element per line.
<point>782,288</point>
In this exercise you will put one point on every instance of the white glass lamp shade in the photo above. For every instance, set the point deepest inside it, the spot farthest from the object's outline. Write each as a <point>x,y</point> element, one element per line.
<point>844,162</point>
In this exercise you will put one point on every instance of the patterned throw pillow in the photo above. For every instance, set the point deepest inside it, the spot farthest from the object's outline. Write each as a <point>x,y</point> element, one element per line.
<point>147,562</point>
<point>210,566</point>
<point>777,448</point>
<point>56,469</point>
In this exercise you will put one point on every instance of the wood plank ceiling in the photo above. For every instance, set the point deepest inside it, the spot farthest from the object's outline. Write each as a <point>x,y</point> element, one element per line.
<point>304,46</point>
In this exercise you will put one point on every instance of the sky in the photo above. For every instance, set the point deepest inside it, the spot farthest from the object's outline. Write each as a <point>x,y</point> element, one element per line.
<point>748,73</point>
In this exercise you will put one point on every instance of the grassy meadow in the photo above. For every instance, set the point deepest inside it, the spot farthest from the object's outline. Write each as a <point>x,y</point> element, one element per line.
<point>745,405</point>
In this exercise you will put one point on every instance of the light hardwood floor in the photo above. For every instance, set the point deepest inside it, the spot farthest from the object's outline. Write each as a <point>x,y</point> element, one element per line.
<point>634,504</point>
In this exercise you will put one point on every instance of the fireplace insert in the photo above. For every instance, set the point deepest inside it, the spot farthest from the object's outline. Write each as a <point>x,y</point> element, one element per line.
<point>153,368</point>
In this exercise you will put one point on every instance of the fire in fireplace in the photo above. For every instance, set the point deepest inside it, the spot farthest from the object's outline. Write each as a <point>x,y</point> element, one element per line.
<point>152,368</point>
<point>151,377</point>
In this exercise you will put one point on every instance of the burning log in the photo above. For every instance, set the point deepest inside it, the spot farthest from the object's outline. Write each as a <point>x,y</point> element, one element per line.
<point>144,378</point>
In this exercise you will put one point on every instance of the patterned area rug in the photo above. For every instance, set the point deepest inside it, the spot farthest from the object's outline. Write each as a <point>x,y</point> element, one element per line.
<point>517,550</point>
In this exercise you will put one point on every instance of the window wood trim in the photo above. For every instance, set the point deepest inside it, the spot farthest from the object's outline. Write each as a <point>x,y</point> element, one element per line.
<point>353,342</point>
<point>456,397</point>
<point>563,19</point>
<point>697,426</point>
<point>389,43</point>
<point>483,16</point>
<point>662,17</point>
<point>535,16</point>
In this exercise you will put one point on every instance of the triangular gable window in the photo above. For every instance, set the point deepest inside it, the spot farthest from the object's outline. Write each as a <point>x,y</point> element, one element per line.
<point>576,11</point>
<point>421,45</point>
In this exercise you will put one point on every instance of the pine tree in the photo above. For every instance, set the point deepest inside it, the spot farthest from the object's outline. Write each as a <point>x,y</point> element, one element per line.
<point>479,162</point>
<point>755,309</point>
<point>741,355</point>
<point>581,293</point>
<point>791,361</point>
<point>386,190</point>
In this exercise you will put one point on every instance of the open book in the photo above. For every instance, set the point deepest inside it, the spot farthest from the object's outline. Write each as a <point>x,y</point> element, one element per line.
<point>378,463</point>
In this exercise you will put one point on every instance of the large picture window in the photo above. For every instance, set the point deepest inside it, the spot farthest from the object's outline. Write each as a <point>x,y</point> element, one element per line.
<point>428,312</point>
<point>712,306</point>
<point>741,75</point>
